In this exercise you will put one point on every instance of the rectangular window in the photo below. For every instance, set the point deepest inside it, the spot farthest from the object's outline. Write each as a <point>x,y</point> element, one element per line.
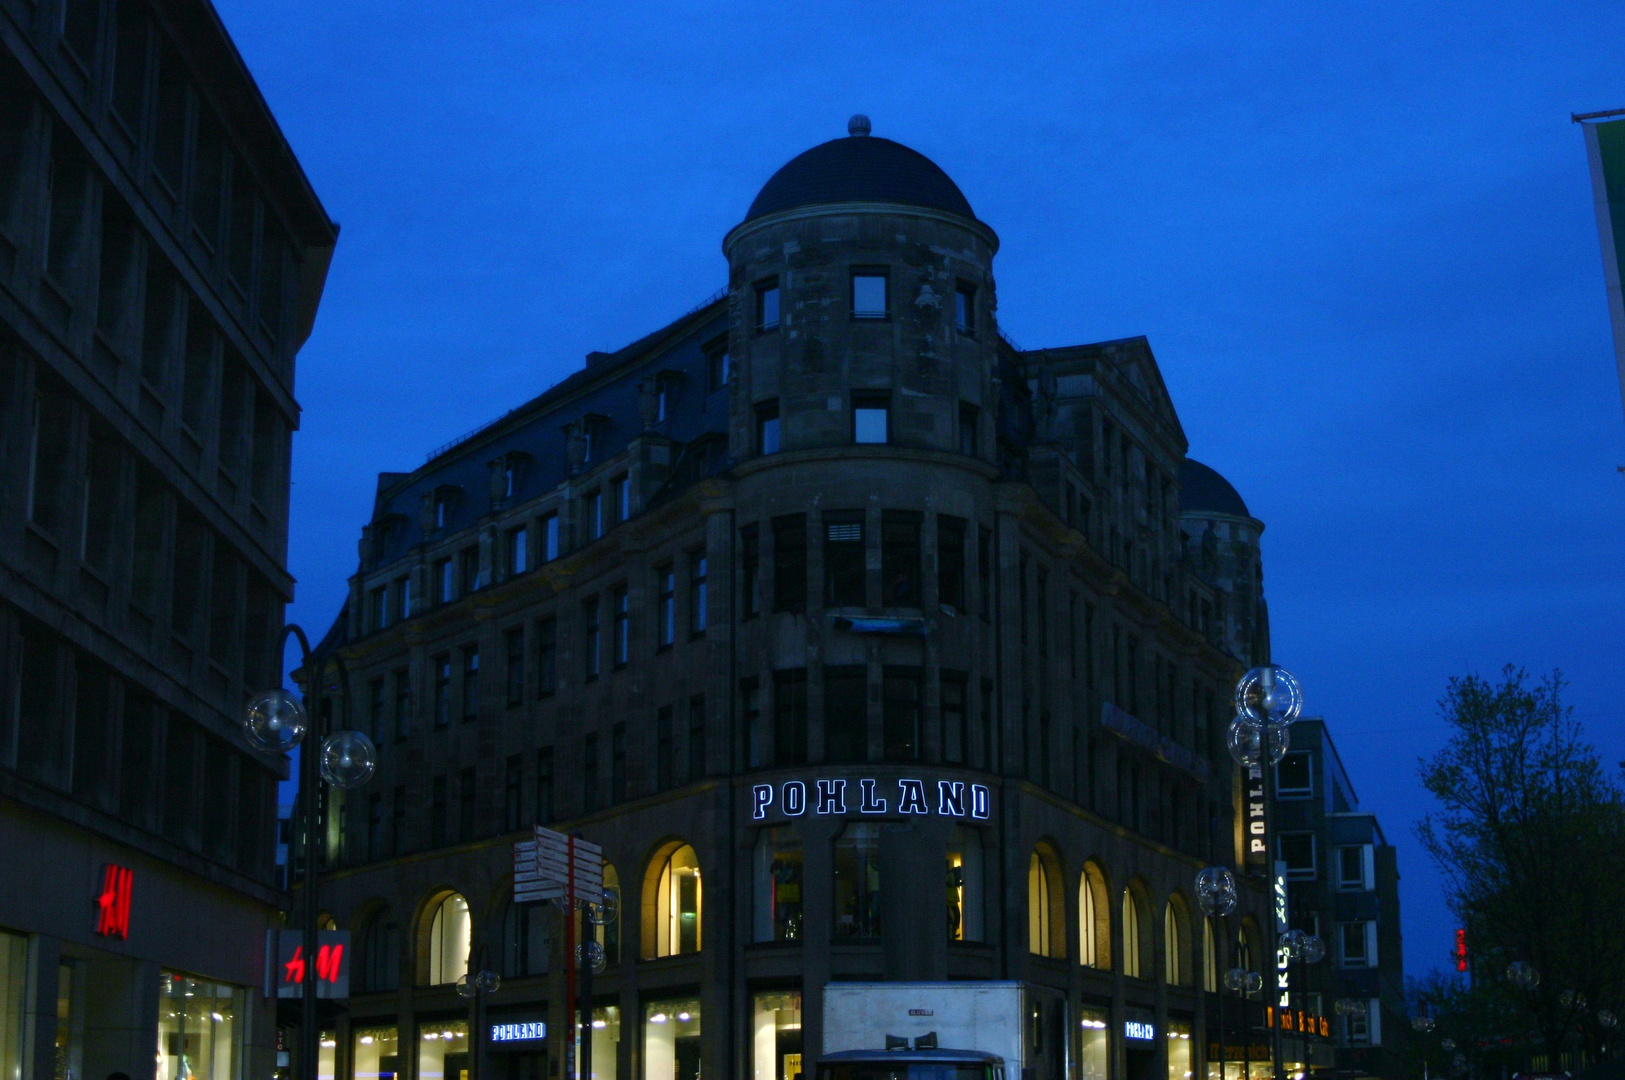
<point>1354,866</point>
<point>900,557</point>
<point>716,365</point>
<point>397,832</point>
<point>403,702</point>
<point>544,785</point>
<point>844,559</point>
<point>857,881</point>
<point>666,605</point>
<point>518,550</point>
<point>621,606</point>
<point>750,570</point>
<point>767,427</point>
<point>1297,850</point>
<point>471,683</point>
<point>442,690</point>
<point>955,734</point>
<point>469,560</point>
<point>589,773</point>
<point>951,562</point>
<point>378,608</point>
<point>48,471</point>
<point>445,582</point>
<point>437,811</point>
<point>377,716</point>
<point>756,748</point>
<point>547,656</point>
<point>515,639</point>
<point>868,293</point>
<point>696,737</point>
<point>550,537</point>
<point>403,597</point>
<point>696,593</point>
<point>790,717</point>
<point>1294,779</point>
<point>965,308</point>
<point>589,639</point>
<point>101,502</point>
<point>1357,944</point>
<point>846,715</point>
<point>871,418</point>
<point>790,563</point>
<point>592,514</point>
<point>767,305</point>
<point>621,490</point>
<point>665,752</point>
<point>467,797</point>
<point>513,794</point>
<point>901,714</point>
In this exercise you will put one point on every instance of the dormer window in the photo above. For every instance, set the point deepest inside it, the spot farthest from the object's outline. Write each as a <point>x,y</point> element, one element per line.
<point>869,293</point>
<point>767,305</point>
<point>716,364</point>
<point>445,504</point>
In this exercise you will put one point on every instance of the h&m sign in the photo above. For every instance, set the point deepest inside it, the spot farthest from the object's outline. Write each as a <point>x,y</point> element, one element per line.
<point>793,798</point>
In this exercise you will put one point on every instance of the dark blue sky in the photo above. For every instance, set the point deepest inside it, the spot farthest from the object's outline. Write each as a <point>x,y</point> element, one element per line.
<point>1360,240</point>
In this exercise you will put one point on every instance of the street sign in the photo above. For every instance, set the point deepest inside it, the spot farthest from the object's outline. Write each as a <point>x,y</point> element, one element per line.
<point>553,864</point>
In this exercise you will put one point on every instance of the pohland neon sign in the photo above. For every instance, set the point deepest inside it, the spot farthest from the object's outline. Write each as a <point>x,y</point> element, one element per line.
<point>955,798</point>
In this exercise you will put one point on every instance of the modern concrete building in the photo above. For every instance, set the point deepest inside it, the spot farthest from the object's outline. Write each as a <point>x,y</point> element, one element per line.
<point>868,645</point>
<point>161,259</point>
<point>1343,884</point>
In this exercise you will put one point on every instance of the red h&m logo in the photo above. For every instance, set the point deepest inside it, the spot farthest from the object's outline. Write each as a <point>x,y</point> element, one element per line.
<point>113,902</point>
<point>1461,950</point>
<point>329,963</point>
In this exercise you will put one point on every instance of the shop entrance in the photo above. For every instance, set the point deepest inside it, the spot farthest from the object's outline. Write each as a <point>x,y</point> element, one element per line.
<point>528,1065</point>
<point>1142,1064</point>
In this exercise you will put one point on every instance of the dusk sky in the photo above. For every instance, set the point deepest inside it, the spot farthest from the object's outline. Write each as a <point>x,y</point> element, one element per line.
<point>1359,237</point>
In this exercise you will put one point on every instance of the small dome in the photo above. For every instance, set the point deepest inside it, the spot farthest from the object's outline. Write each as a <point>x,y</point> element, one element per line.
<point>1203,491</point>
<point>860,168</point>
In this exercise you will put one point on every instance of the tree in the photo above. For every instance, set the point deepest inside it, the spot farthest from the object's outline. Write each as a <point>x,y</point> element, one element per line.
<point>1530,835</point>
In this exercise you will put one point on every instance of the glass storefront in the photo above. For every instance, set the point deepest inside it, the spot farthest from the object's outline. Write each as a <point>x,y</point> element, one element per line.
<point>777,1043</point>
<point>606,1042</point>
<point>1179,1050</point>
<point>443,1050</point>
<point>375,1053</point>
<point>13,989</point>
<point>671,1039</point>
<point>198,1033</point>
<point>964,884</point>
<point>1094,1051</point>
<point>778,885</point>
<point>327,1052</point>
<point>70,1021</point>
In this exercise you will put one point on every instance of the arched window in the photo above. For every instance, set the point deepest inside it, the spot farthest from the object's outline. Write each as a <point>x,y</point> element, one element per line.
<point>964,884</point>
<point>1210,958</point>
<point>450,933</point>
<point>378,959</point>
<point>609,931</point>
<point>1175,944</point>
<point>778,885</point>
<point>1094,919</point>
<point>1046,934</point>
<point>1246,953</point>
<point>672,914</point>
<point>524,939</point>
<point>1131,935</point>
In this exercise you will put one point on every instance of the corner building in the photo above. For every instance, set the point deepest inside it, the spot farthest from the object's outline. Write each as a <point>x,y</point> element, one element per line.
<point>869,646</point>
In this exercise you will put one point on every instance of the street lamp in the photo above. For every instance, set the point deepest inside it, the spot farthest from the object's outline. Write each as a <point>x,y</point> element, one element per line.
<point>1423,1024</point>
<point>1268,700</point>
<point>1216,895</point>
<point>478,987</point>
<point>276,722</point>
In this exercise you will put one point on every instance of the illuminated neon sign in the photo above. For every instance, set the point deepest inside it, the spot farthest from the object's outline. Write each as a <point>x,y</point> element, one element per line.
<point>287,964</point>
<point>528,1031</point>
<point>793,798</point>
<point>113,902</point>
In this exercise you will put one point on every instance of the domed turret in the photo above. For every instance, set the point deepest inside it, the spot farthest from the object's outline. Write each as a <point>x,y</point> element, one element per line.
<point>1222,544</point>
<point>860,169</point>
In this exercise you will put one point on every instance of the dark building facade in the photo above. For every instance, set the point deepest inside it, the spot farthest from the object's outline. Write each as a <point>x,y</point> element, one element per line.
<point>1343,884</point>
<point>868,645</point>
<point>161,260</point>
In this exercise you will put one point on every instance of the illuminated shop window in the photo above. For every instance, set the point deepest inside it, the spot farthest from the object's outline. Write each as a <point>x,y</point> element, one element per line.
<point>1094,919</point>
<point>1175,945</point>
<point>198,1037</point>
<point>1131,935</point>
<point>1179,1050</point>
<point>375,1053</point>
<point>1094,1052</point>
<point>13,993</point>
<point>776,1042</point>
<point>671,1039</point>
<point>449,939</point>
<point>857,881</point>
<point>964,884</point>
<point>443,1050</point>
<point>606,1042</point>
<point>1046,933</point>
<point>327,1052</point>
<point>677,907</point>
<point>778,885</point>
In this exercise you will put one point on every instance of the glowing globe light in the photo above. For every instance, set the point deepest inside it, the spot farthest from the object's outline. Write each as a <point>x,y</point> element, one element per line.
<point>1269,695</point>
<point>275,721</point>
<point>1248,741</point>
<point>1235,979</point>
<point>1216,890</point>
<point>348,759</point>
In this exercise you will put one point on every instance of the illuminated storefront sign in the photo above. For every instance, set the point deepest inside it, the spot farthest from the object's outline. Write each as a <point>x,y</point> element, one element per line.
<point>1139,1029</point>
<point>1254,817</point>
<point>523,1031</point>
<point>793,798</point>
<point>1283,955</point>
<point>287,965</point>
<point>1305,1023</point>
<point>113,902</point>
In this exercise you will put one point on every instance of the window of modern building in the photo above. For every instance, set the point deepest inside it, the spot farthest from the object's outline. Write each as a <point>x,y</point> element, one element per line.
<point>621,491</point>
<point>1133,936</point>
<point>955,718</point>
<point>665,748</point>
<point>376,1052</point>
<point>471,683</point>
<point>666,605</point>
<point>514,639</point>
<point>857,881</point>
<point>513,793</point>
<point>467,805</point>
<point>776,1045</point>
<point>900,714</point>
<point>869,293</point>
<point>1094,919</point>
<point>750,572</point>
<point>767,427</point>
<point>671,1039</point>
<point>547,656</point>
<point>442,690</point>
<point>696,737</point>
<point>1175,944</point>
<point>621,606</point>
<point>1357,944</point>
<point>1297,850</point>
<point>767,305</point>
<point>592,514</point>
<point>443,1049</point>
<point>846,714</point>
<point>965,308</point>
<point>1354,867</point>
<point>544,785</point>
<point>844,559</point>
<point>1094,1050</point>
<point>1358,1029</point>
<point>450,933</point>
<point>678,904</point>
<point>964,884</point>
<point>518,553</point>
<point>590,636</point>
<point>524,939</point>
<point>777,912</point>
<point>697,607</point>
<point>871,414</point>
<point>197,1027</point>
<point>1294,779</point>
<point>790,717</point>
<point>790,562</point>
<point>901,557</point>
<point>550,537</point>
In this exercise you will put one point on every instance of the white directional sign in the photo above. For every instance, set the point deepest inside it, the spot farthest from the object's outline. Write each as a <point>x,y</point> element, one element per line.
<point>547,867</point>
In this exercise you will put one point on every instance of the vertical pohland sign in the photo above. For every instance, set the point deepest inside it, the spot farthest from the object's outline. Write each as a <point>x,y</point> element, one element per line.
<point>1605,146</point>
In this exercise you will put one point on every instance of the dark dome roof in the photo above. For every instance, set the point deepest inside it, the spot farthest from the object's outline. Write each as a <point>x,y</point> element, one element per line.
<point>860,168</point>
<point>1201,490</point>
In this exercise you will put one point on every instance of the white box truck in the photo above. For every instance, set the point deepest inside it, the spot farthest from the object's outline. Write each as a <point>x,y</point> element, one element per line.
<point>982,1031</point>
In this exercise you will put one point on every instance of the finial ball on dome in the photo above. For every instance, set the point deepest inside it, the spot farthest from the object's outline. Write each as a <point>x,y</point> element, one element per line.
<point>858,125</point>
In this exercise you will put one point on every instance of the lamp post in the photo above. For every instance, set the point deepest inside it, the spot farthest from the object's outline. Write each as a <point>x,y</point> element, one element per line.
<point>1423,1023</point>
<point>1242,982</point>
<point>1268,700</point>
<point>478,987</point>
<point>276,721</point>
<point>1216,894</point>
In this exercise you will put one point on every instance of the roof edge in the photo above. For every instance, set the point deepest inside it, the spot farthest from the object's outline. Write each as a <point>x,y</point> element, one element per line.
<point>779,217</point>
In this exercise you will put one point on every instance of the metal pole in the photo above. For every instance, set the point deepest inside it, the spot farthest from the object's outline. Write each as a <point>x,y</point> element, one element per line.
<point>587,934</point>
<point>1224,956</point>
<point>1272,1004</point>
<point>310,792</point>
